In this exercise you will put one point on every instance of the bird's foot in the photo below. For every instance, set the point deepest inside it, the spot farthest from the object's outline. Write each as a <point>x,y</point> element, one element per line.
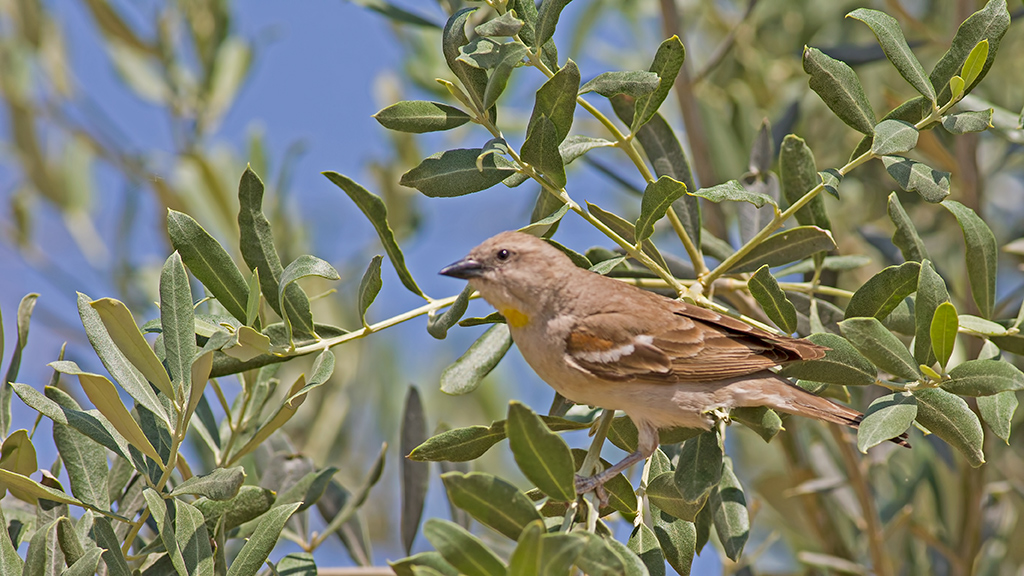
<point>593,483</point>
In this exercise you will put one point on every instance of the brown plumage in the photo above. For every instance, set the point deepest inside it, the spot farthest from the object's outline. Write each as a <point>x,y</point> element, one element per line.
<point>602,342</point>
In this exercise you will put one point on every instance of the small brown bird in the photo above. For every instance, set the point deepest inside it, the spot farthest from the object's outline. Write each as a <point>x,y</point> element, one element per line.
<point>601,342</point>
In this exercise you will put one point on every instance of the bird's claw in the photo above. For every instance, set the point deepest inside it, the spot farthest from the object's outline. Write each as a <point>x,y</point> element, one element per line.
<point>595,484</point>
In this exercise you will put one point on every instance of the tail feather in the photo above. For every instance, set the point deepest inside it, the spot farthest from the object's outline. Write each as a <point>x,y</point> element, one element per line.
<point>798,401</point>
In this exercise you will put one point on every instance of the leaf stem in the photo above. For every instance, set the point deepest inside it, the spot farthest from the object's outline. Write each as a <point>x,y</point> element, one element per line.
<point>593,457</point>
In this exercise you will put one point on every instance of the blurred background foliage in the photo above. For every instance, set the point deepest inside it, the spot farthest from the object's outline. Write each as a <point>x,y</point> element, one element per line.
<point>84,203</point>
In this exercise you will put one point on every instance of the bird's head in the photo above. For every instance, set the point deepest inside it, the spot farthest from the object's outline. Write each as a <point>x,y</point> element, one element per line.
<point>514,272</point>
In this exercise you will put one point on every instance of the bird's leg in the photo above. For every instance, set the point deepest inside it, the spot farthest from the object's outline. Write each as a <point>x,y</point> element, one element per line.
<point>596,482</point>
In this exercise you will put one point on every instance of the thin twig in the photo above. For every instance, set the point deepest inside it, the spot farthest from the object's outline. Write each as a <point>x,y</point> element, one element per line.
<point>723,49</point>
<point>873,528</point>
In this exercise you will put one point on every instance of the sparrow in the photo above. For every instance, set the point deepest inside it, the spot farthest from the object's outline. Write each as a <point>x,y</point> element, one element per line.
<point>665,363</point>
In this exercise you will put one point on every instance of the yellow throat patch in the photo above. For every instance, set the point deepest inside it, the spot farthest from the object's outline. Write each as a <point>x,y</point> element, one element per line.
<point>515,318</point>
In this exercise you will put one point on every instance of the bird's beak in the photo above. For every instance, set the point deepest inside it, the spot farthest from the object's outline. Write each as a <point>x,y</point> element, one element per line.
<point>466,268</point>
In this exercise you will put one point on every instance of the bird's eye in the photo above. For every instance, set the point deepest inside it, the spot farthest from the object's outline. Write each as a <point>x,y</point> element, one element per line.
<point>503,254</point>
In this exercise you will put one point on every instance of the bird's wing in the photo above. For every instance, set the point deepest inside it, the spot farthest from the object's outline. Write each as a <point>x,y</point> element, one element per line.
<point>684,344</point>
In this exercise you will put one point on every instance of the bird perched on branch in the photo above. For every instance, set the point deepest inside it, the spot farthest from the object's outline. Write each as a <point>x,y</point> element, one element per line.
<point>601,342</point>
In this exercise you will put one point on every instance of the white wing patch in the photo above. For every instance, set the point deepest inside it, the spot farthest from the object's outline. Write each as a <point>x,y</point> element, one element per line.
<point>613,354</point>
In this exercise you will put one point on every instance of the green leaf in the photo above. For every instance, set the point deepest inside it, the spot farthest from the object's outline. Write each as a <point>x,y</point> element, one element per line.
<point>541,150</point>
<point>250,503</point>
<point>252,304</point>
<point>466,373</point>
<point>975,63</point>
<point>505,25</point>
<point>966,122</point>
<point>658,198</point>
<point>509,56</point>
<point>125,334</point>
<point>491,500</point>
<point>880,295</point>
<point>893,137</point>
<point>433,560</point>
<point>465,444</point>
<point>527,555</point>
<point>990,23</point>
<point>982,260</point>
<point>879,345</point>
<point>369,287</point>
<point>297,564</point>
<point>890,37</point>
<point>547,20</point>
<point>678,539</point>
<point>729,510</point>
<point>556,99</point>
<point>644,544</point>
<point>254,553</point>
<point>256,241</point>
<point>420,116</point>
<point>632,563</point>
<point>208,262</point>
<point>68,541</point>
<point>106,539</point>
<point>177,322</point>
<point>598,558</point>
<point>799,176</point>
<point>626,230</point>
<point>438,325</point>
<point>663,493</point>
<point>635,83</point>
<point>283,414</point>
<point>667,62</point>
<point>221,484</point>
<point>762,420</point>
<point>32,490</point>
<point>765,289</point>
<point>997,412</point>
<point>104,396</point>
<point>949,417</point>
<point>943,332</point>
<point>374,209</point>
<point>887,417</point>
<point>86,463</point>
<point>193,539</point>
<point>839,87</point>
<point>9,558</point>
<point>308,489</point>
<point>914,176</point>
<point>92,425</point>
<point>785,247</point>
<point>905,236</point>
<point>462,550</point>
<point>454,173</point>
<point>302,267</point>
<point>452,39</point>
<point>542,456</point>
<point>700,466</point>
<point>415,475</point>
<point>18,454</point>
<point>44,557</point>
<point>984,378</point>
<point>733,191</point>
<point>830,179</point>
<point>980,326</point>
<point>931,293</point>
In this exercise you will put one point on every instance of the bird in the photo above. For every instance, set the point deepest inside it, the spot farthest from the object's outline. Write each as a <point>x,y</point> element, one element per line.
<point>663,362</point>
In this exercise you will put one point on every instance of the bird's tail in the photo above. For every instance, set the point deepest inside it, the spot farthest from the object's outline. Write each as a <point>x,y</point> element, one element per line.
<point>792,399</point>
